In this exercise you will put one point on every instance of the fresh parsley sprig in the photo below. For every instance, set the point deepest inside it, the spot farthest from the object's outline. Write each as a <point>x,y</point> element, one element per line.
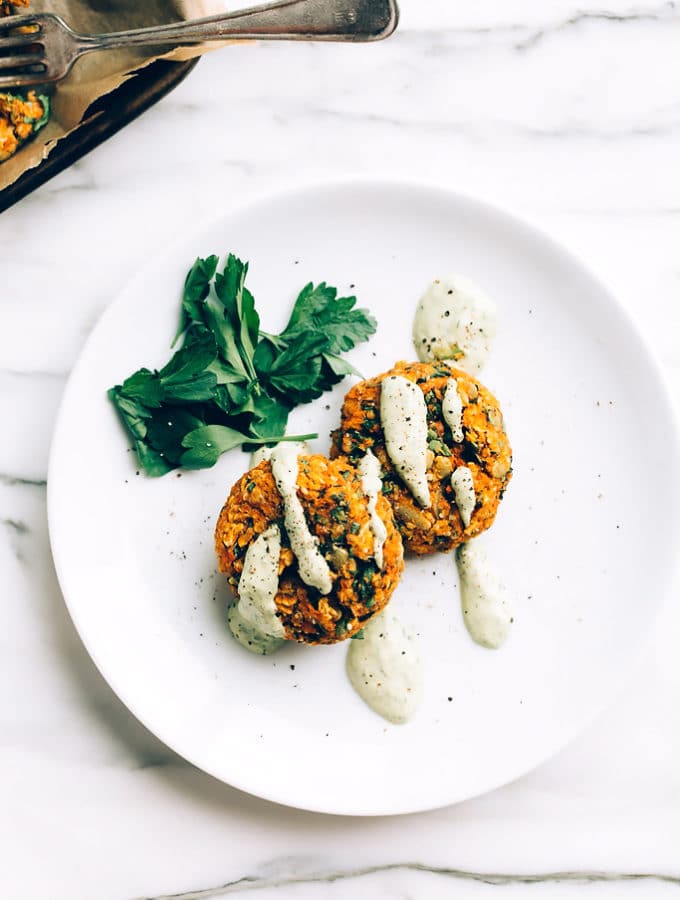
<point>230,384</point>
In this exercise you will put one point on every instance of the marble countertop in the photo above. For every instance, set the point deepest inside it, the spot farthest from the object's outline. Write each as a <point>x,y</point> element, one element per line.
<point>568,113</point>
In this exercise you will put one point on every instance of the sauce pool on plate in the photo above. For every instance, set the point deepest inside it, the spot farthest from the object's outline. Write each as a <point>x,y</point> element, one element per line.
<point>487,606</point>
<point>456,322</point>
<point>385,669</point>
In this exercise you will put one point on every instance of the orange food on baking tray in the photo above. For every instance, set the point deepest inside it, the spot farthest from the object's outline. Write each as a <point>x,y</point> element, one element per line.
<point>6,9</point>
<point>22,113</point>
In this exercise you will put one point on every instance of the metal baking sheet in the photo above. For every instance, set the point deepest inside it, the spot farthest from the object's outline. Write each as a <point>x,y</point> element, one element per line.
<point>103,118</point>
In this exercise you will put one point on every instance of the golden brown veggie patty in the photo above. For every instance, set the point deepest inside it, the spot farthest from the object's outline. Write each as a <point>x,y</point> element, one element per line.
<point>485,451</point>
<point>336,510</point>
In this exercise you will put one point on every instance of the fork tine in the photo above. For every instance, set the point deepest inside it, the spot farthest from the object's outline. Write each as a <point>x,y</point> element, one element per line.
<point>20,62</point>
<point>19,40</point>
<point>8,23</point>
<point>21,69</point>
<point>22,79</point>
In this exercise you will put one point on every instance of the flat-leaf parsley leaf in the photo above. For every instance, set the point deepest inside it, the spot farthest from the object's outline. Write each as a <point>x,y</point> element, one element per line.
<point>230,384</point>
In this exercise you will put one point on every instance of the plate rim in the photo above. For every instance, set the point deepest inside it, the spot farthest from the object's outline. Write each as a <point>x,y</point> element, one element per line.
<point>512,218</point>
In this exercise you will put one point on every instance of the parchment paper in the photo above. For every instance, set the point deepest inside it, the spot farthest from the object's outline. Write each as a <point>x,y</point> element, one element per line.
<point>99,73</point>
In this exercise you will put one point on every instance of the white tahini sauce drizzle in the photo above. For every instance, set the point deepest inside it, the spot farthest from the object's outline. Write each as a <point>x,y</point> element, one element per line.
<point>249,636</point>
<point>403,413</point>
<point>264,452</point>
<point>259,582</point>
<point>313,568</point>
<point>253,620</point>
<point>464,493</point>
<point>455,321</point>
<point>385,668</point>
<point>487,607</point>
<point>369,469</point>
<point>452,410</point>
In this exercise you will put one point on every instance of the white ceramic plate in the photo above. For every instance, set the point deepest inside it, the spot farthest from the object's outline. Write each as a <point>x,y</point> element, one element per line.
<point>585,536</point>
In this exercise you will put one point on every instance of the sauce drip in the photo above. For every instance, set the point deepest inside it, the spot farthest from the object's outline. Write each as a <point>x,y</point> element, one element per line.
<point>452,410</point>
<point>250,637</point>
<point>253,620</point>
<point>385,668</point>
<point>259,583</point>
<point>265,452</point>
<point>464,493</point>
<point>487,607</point>
<point>369,469</point>
<point>312,567</point>
<point>403,414</point>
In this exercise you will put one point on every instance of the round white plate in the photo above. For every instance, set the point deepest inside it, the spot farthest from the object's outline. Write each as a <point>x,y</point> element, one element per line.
<point>585,537</point>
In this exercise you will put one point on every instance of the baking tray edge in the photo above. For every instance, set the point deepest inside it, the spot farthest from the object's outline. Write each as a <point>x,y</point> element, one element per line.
<point>102,119</point>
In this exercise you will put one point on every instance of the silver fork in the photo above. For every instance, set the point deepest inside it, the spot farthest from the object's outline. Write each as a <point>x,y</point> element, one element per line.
<point>47,50</point>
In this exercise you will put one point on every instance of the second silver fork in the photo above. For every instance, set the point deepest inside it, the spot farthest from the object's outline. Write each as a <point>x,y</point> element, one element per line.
<point>47,51</point>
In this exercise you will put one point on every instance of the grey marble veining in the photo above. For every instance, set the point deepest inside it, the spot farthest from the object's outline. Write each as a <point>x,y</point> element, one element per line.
<point>14,481</point>
<point>448,879</point>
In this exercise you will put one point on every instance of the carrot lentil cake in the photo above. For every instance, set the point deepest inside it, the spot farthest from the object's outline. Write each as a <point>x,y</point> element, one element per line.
<point>482,448</point>
<point>338,515</point>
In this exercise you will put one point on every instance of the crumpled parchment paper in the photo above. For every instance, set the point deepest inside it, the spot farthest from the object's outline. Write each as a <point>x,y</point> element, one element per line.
<point>99,73</point>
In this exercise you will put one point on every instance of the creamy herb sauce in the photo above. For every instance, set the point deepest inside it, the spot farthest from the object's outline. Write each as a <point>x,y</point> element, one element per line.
<point>259,583</point>
<point>249,636</point>
<point>312,567</point>
<point>385,668</point>
<point>464,493</point>
<point>456,322</point>
<point>452,410</point>
<point>369,469</point>
<point>253,620</point>
<point>487,607</point>
<point>263,453</point>
<point>403,414</point>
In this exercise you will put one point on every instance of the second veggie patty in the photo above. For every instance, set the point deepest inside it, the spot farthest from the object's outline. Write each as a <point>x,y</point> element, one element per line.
<point>484,450</point>
<point>337,514</point>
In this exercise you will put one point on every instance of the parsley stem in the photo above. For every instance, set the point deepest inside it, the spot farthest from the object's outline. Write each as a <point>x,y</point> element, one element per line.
<point>297,438</point>
<point>250,368</point>
<point>274,339</point>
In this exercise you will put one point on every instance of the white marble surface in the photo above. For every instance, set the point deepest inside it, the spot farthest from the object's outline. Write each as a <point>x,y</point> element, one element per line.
<point>567,112</point>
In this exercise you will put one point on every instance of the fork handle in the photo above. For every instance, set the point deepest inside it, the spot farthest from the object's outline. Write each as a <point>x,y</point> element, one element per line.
<point>348,20</point>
